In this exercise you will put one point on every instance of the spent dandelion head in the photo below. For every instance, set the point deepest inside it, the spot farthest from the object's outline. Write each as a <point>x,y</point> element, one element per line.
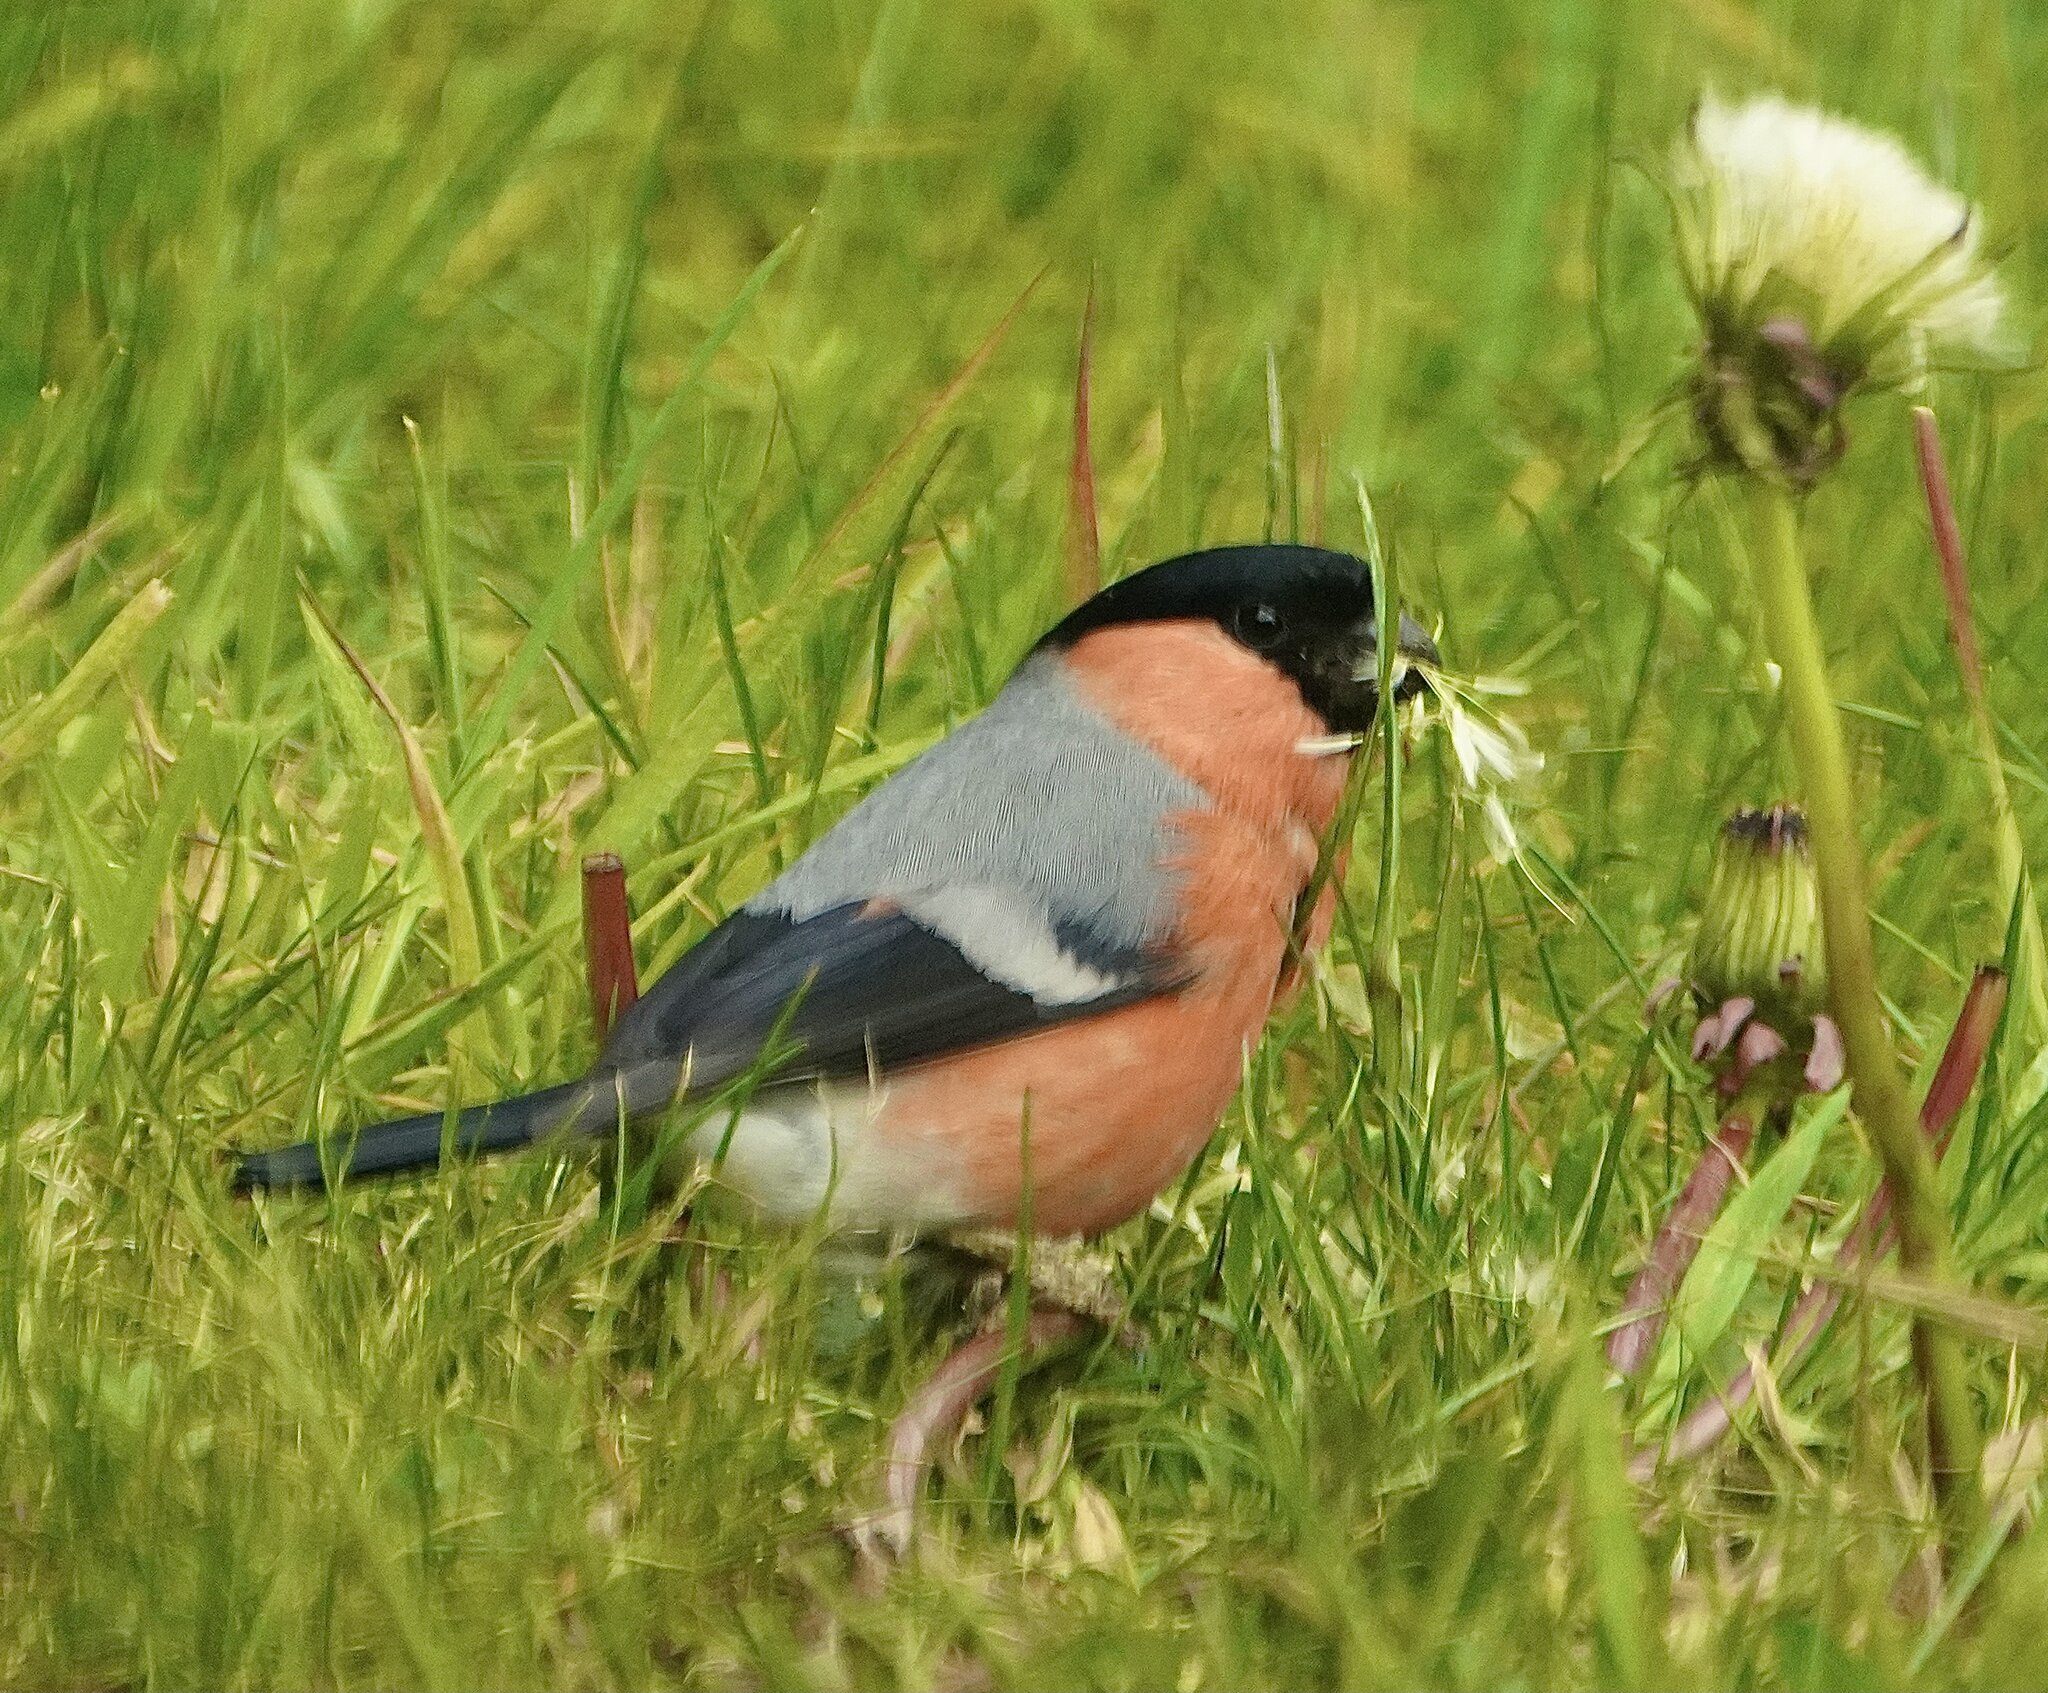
<point>1824,261</point>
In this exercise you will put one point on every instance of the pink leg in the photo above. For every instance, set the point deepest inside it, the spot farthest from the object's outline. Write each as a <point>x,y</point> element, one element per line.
<point>937,1409</point>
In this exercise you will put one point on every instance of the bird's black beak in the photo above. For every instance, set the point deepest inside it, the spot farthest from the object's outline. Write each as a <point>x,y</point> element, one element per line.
<point>1415,655</point>
<point>1421,656</point>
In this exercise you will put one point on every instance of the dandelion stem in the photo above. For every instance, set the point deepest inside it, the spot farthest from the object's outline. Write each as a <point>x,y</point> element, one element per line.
<point>1882,1102</point>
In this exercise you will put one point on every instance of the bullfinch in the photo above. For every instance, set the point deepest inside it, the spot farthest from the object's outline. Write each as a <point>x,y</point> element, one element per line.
<point>1043,946</point>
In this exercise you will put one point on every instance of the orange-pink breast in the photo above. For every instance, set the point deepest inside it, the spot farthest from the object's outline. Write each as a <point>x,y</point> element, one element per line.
<point>1106,1111</point>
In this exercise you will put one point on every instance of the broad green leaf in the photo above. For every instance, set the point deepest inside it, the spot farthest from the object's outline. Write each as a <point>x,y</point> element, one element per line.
<point>1721,1275</point>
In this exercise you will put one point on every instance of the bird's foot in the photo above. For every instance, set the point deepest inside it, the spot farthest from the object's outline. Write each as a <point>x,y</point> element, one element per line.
<point>1065,1275</point>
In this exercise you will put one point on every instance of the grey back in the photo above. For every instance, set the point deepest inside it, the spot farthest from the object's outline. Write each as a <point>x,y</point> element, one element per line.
<point>1040,797</point>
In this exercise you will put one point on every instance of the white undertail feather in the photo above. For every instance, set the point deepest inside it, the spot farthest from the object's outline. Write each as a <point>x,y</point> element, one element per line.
<point>806,1148</point>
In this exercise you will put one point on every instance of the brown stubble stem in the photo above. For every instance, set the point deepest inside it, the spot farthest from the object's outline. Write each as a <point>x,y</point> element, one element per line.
<point>1882,1102</point>
<point>607,941</point>
<point>1962,628</point>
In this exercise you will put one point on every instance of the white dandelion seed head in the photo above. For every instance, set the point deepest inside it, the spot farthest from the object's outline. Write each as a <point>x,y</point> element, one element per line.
<point>1795,212</point>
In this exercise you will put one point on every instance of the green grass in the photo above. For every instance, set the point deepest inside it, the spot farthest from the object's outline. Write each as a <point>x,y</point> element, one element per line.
<point>729,393</point>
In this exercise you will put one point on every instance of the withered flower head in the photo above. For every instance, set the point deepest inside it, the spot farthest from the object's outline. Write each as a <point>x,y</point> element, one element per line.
<point>1823,261</point>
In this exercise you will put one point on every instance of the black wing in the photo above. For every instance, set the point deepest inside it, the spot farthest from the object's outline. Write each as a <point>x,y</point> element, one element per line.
<point>850,988</point>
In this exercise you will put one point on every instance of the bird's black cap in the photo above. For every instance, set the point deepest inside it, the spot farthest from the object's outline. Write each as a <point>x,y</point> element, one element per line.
<point>1308,610</point>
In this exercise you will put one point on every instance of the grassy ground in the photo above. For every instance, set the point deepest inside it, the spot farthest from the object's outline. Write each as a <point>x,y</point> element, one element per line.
<point>549,424</point>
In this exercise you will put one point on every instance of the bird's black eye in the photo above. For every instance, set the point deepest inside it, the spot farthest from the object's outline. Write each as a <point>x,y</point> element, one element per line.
<point>1259,625</point>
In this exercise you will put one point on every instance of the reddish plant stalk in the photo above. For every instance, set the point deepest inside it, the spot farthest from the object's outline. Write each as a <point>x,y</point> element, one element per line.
<point>1647,1305</point>
<point>1948,549</point>
<point>1083,536</point>
<point>1962,628</point>
<point>607,941</point>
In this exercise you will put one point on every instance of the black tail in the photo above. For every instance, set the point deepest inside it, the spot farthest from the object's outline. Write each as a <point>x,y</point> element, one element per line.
<point>590,1106</point>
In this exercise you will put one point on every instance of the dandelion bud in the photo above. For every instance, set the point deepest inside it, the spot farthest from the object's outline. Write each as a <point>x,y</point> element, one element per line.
<point>1757,965</point>
<point>1760,936</point>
